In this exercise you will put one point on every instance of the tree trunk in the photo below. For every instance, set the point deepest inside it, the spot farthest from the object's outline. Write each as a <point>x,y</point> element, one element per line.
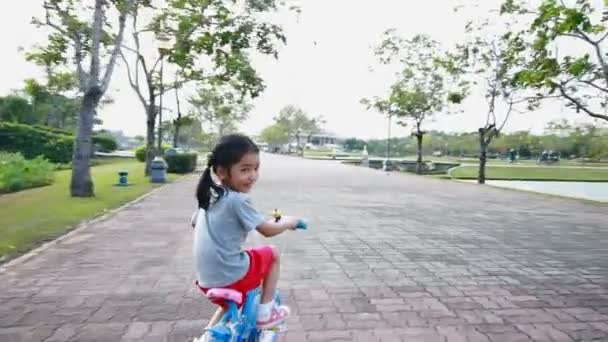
<point>178,121</point>
<point>483,157</point>
<point>299,149</point>
<point>419,137</point>
<point>150,123</point>
<point>160,106</point>
<point>82,184</point>
<point>177,127</point>
<point>220,131</point>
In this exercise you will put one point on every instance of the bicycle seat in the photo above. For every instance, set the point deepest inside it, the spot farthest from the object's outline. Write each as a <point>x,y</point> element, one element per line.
<point>226,294</point>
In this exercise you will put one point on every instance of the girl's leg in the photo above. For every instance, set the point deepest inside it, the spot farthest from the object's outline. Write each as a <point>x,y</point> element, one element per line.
<point>270,314</point>
<point>215,319</point>
<point>272,278</point>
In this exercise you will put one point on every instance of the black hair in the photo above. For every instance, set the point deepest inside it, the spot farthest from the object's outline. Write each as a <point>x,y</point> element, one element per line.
<point>229,151</point>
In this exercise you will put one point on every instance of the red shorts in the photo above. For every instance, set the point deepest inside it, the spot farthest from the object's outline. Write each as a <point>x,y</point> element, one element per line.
<point>260,262</point>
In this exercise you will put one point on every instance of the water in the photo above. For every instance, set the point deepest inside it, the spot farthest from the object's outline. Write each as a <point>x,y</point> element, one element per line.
<point>585,190</point>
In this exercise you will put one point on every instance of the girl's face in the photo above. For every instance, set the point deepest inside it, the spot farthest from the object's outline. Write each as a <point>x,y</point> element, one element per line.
<point>242,176</point>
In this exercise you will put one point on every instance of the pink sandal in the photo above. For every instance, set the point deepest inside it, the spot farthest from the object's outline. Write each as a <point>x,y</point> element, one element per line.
<point>278,315</point>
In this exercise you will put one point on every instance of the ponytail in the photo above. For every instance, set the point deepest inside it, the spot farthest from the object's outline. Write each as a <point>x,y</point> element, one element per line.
<point>207,188</point>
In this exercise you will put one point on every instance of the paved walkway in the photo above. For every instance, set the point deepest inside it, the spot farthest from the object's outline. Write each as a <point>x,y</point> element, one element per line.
<point>388,258</point>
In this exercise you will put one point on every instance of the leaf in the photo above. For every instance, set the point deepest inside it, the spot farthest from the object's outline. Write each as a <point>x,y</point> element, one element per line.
<point>580,66</point>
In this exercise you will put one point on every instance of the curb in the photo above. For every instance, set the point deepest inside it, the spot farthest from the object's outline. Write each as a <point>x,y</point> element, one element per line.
<point>79,227</point>
<point>543,194</point>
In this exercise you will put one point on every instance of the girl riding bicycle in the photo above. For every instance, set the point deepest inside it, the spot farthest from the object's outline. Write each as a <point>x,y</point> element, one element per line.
<point>222,223</point>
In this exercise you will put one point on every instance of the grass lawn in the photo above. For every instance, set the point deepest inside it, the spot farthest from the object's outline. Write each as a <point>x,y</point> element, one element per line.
<point>317,153</point>
<point>32,216</point>
<point>504,162</point>
<point>533,173</point>
<point>327,153</point>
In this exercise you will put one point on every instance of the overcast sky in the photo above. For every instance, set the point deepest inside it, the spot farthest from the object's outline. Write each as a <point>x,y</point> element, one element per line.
<point>324,68</point>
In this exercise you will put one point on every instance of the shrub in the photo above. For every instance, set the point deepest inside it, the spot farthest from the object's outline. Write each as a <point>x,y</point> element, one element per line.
<point>54,144</point>
<point>32,142</point>
<point>181,163</point>
<point>53,130</point>
<point>140,152</point>
<point>105,143</point>
<point>17,173</point>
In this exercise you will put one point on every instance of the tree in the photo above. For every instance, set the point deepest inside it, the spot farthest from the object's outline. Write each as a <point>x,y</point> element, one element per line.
<point>150,67</point>
<point>57,100</point>
<point>140,139</point>
<point>15,108</point>
<point>579,76</point>
<point>599,146</point>
<point>221,107</point>
<point>50,102</point>
<point>354,144</point>
<point>187,134</point>
<point>72,35</point>
<point>38,104</point>
<point>421,90</point>
<point>275,135</point>
<point>296,123</point>
<point>488,60</point>
<point>207,41</point>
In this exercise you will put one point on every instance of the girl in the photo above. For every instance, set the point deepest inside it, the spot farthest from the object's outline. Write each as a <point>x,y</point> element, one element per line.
<point>222,222</point>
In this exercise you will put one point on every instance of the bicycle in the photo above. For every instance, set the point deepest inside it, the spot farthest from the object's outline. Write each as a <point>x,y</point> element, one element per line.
<point>240,325</point>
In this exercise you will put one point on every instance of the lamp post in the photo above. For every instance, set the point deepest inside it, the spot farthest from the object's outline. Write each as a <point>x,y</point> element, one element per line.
<point>164,46</point>
<point>298,137</point>
<point>388,146</point>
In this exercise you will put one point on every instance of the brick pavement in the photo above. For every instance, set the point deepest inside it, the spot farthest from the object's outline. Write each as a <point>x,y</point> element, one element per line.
<point>388,258</point>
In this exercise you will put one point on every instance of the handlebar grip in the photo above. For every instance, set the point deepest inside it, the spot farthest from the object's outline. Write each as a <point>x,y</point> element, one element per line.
<point>301,225</point>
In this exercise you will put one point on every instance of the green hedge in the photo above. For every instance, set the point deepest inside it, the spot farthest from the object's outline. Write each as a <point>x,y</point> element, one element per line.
<point>17,173</point>
<point>105,143</point>
<point>181,163</point>
<point>33,141</point>
<point>140,152</point>
<point>53,130</point>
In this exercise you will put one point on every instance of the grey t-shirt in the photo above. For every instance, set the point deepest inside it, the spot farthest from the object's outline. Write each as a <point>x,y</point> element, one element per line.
<point>219,259</point>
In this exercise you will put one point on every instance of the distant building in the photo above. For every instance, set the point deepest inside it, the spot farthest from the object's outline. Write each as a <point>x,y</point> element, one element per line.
<point>312,141</point>
<point>323,139</point>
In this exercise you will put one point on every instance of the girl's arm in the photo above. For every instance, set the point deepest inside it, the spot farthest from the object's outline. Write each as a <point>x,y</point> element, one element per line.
<point>194,218</point>
<point>271,228</point>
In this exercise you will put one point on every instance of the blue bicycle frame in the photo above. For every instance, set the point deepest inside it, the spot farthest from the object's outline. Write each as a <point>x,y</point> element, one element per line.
<point>240,325</point>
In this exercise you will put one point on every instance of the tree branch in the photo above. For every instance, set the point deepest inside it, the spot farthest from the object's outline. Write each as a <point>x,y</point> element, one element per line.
<point>156,62</point>
<point>117,44</point>
<point>128,48</point>
<point>98,22</point>
<point>134,84</point>
<point>575,36</point>
<point>600,57</point>
<point>200,13</point>
<point>74,36</point>
<point>598,53</point>
<point>581,106</point>
<point>509,111</point>
<point>602,39</point>
<point>590,82</point>
<point>176,84</point>
<point>83,77</point>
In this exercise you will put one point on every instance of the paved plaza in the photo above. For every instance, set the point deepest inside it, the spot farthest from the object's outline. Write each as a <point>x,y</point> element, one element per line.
<point>387,258</point>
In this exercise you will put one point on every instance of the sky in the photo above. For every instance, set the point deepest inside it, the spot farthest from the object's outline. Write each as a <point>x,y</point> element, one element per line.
<point>324,68</point>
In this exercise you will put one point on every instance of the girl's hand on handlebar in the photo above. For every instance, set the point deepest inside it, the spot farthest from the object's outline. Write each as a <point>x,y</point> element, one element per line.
<point>290,222</point>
